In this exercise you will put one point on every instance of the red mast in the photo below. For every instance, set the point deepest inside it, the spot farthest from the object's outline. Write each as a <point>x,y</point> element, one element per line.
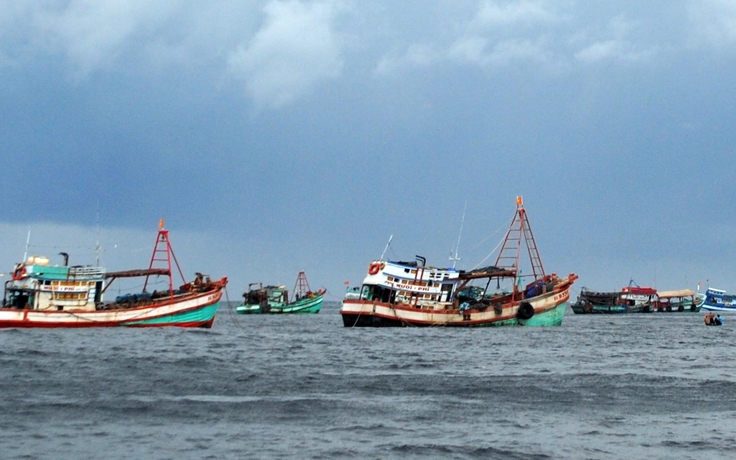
<point>508,257</point>
<point>163,255</point>
<point>301,287</point>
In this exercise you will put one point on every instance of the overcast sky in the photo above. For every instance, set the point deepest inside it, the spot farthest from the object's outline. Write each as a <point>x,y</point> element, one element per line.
<point>279,136</point>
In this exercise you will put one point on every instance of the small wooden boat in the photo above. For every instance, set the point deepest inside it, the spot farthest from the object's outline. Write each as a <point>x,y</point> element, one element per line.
<point>396,293</point>
<point>42,295</point>
<point>275,299</point>
<point>683,300</point>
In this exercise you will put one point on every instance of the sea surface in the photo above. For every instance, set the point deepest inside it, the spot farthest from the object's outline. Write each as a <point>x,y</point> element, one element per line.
<point>647,386</point>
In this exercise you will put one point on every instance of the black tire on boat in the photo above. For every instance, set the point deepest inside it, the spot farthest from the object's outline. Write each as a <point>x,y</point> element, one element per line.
<point>525,311</point>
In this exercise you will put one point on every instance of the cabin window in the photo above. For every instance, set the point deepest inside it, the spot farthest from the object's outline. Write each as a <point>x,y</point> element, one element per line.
<point>70,295</point>
<point>20,299</point>
<point>366,293</point>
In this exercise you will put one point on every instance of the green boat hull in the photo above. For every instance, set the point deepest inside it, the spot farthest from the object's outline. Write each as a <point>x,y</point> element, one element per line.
<point>246,309</point>
<point>553,317</point>
<point>200,317</point>
<point>307,305</point>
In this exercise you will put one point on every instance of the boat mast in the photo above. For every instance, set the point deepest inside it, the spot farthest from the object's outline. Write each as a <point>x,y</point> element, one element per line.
<point>510,253</point>
<point>163,253</point>
<point>301,287</point>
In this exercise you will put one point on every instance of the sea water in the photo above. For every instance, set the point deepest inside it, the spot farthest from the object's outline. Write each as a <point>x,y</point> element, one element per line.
<point>284,386</point>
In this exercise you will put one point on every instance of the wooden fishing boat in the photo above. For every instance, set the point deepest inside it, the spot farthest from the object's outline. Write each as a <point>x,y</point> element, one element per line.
<point>683,300</point>
<point>275,299</point>
<point>41,295</point>
<point>630,299</point>
<point>396,293</point>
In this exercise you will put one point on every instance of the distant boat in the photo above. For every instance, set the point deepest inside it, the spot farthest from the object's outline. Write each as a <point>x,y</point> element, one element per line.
<point>275,299</point>
<point>683,300</point>
<point>718,300</point>
<point>396,293</point>
<point>630,299</point>
<point>42,295</point>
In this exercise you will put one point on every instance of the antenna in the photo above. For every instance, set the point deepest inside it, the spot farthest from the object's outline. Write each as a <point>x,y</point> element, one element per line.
<point>454,258</point>
<point>387,245</point>
<point>28,242</point>
<point>97,237</point>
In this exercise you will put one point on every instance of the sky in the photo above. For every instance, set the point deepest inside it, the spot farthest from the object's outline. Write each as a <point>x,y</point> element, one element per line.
<point>280,136</point>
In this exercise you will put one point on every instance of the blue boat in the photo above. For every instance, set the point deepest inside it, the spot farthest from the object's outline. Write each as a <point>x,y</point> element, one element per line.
<point>718,300</point>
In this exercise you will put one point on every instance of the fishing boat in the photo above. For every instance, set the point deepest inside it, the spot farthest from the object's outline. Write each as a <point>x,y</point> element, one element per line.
<point>275,299</point>
<point>683,300</point>
<point>630,299</point>
<point>44,295</point>
<point>718,300</point>
<point>401,293</point>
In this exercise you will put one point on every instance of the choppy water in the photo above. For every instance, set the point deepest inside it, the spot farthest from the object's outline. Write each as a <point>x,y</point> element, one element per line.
<point>271,387</point>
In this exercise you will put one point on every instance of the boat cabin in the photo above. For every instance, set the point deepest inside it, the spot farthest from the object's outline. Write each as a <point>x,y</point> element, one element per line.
<point>35,285</point>
<point>408,283</point>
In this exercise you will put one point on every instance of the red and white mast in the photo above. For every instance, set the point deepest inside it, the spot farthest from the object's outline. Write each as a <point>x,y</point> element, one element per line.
<point>508,257</point>
<point>162,255</point>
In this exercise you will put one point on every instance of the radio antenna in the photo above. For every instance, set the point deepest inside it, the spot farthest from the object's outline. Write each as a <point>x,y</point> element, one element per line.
<point>387,245</point>
<point>454,257</point>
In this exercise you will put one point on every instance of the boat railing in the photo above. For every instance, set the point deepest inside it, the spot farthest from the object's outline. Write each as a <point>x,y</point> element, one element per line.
<point>86,272</point>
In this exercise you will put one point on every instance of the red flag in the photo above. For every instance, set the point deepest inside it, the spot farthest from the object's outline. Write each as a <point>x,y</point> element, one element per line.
<point>347,283</point>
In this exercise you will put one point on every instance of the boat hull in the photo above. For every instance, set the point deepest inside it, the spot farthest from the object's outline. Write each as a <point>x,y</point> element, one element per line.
<point>306,305</point>
<point>579,309</point>
<point>718,308</point>
<point>197,310</point>
<point>549,310</point>
<point>248,309</point>
<point>309,305</point>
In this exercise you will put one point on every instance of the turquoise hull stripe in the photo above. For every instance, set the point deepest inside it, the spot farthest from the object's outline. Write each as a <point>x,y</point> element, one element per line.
<point>551,317</point>
<point>199,315</point>
<point>245,309</point>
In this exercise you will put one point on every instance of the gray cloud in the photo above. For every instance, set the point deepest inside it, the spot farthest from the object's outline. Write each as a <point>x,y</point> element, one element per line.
<point>296,48</point>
